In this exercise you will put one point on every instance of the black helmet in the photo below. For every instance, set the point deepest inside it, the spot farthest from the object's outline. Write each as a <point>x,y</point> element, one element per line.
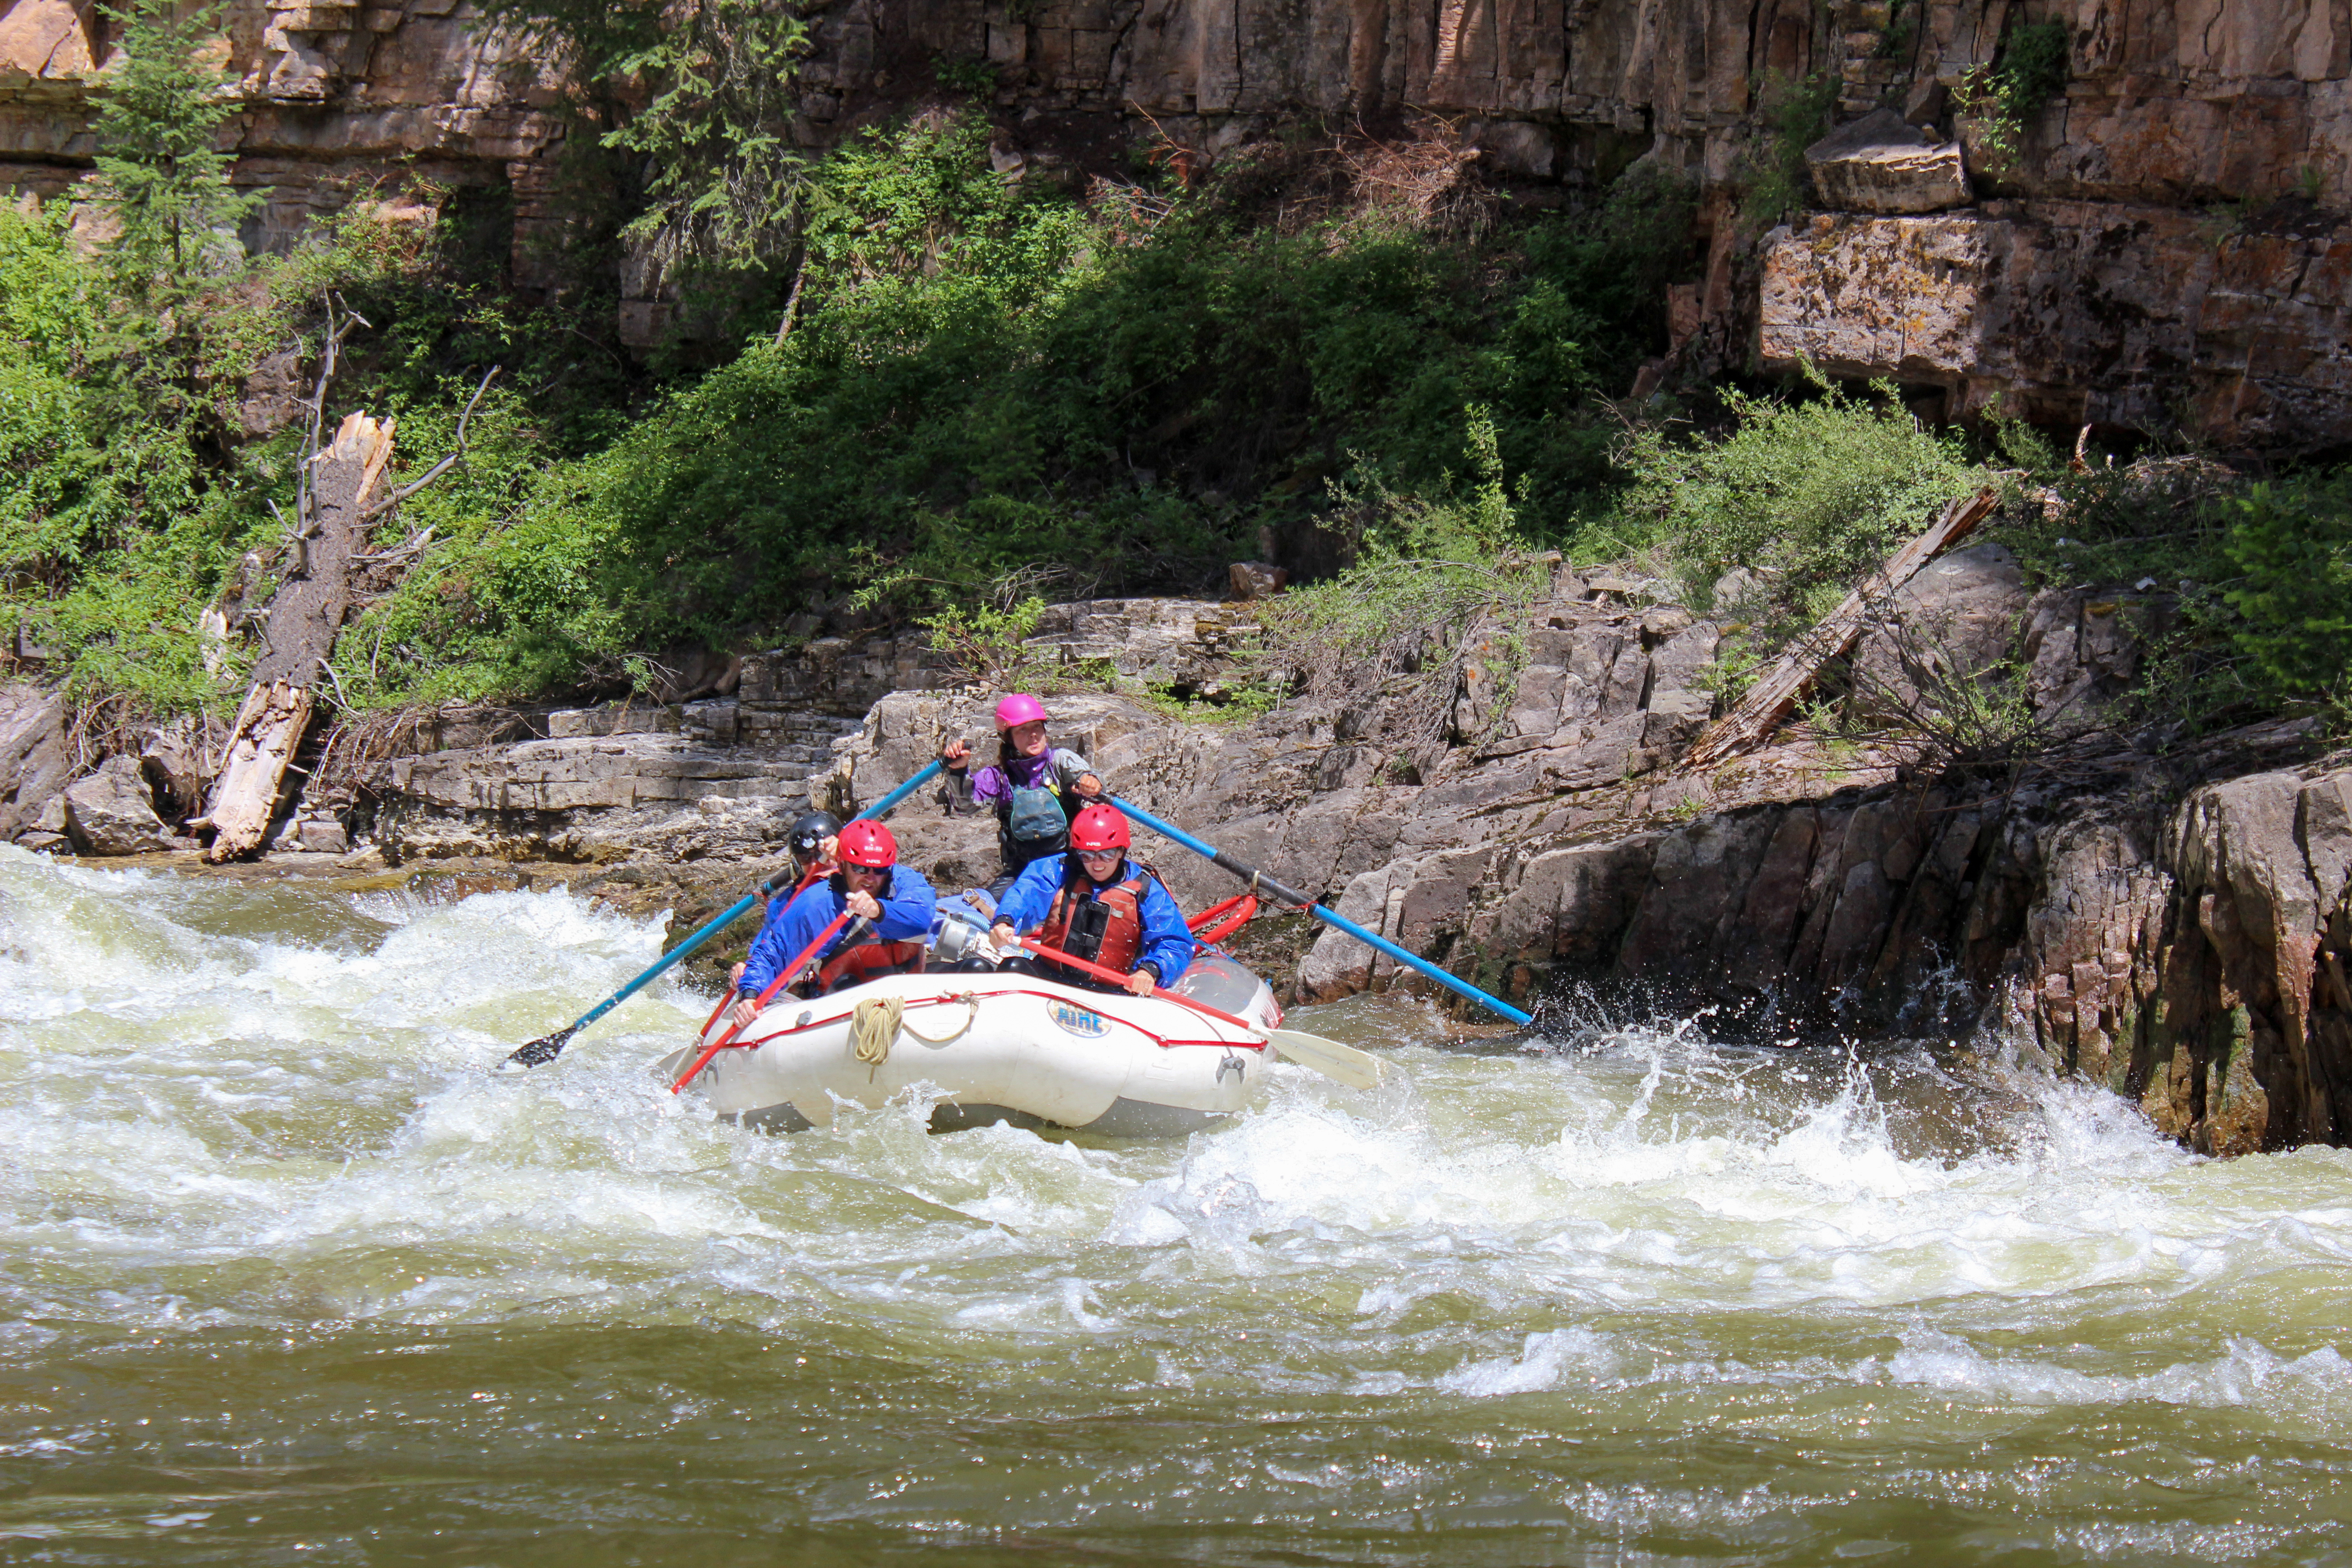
<point>809,833</point>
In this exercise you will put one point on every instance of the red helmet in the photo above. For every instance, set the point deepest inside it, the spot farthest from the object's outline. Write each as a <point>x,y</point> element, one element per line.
<point>1099,827</point>
<point>868,843</point>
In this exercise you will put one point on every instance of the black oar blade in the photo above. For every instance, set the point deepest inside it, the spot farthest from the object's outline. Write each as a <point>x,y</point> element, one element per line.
<point>539,1052</point>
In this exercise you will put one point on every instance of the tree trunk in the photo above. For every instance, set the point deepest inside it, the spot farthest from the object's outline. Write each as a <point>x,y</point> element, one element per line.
<point>1776,691</point>
<point>305,617</point>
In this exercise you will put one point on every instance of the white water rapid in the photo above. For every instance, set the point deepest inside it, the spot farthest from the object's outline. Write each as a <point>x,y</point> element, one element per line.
<point>287,1277</point>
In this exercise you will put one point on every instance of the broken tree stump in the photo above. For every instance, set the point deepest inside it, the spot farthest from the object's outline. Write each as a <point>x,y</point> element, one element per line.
<point>1757,714</point>
<point>305,617</point>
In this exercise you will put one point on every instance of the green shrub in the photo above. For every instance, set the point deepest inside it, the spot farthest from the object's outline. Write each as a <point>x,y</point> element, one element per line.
<point>1808,495</point>
<point>1795,115</point>
<point>2008,95</point>
<point>1436,579</point>
<point>986,374</point>
<point>2292,543</point>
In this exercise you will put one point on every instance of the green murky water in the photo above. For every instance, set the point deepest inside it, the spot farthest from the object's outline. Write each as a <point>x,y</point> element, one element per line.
<point>289,1279</point>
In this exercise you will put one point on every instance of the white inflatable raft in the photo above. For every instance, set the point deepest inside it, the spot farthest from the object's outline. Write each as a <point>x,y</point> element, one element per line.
<point>1000,1046</point>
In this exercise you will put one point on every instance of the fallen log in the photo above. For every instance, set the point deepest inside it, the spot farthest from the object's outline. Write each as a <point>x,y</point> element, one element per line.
<point>1755,716</point>
<point>305,617</point>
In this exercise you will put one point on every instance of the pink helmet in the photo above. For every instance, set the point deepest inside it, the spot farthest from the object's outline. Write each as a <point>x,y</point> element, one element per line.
<point>1017,709</point>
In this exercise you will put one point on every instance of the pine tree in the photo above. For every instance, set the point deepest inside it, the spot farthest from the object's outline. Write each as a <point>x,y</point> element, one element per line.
<point>160,174</point>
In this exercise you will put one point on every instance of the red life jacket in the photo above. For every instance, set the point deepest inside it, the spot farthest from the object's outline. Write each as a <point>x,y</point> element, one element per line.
<point>1121,942</point>
<point>868,961</point>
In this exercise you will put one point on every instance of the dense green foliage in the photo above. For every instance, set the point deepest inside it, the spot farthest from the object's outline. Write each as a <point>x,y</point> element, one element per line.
<point>991,374</point>
<point>988,380</point>
<point>716,135</point>
<point>2292,545</point>
<point>1806,495</point>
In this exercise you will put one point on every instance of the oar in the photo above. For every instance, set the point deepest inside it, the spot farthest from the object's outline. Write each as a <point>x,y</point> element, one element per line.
<point>1346,1064</point>
<point>783,977</point>
<point>1260,882</point>
<point>547,1047</point>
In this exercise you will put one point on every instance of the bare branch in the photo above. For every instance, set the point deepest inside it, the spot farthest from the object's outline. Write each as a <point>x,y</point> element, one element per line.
<point>439,468</point>
<point>332,350</point>
<point>337,681</point>
<point>402,553</point>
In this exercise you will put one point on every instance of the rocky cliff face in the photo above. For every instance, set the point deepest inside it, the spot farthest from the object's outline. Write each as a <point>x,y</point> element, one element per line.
<point>2162,248</point>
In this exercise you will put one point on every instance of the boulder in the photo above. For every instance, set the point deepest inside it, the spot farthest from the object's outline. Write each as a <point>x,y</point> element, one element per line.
<point>177,760</point>
<point>33,767</point>
<point>1960,617</point>
<point>1255,580</point>
<point>1882,163</point>
<point>112,812</point>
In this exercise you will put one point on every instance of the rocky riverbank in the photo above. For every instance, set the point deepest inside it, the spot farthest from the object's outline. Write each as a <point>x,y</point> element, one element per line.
<point>2173,925</point>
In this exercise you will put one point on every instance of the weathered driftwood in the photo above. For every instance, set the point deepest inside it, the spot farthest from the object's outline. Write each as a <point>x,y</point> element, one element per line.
<point>1776,691</point>
<point>305,617</point>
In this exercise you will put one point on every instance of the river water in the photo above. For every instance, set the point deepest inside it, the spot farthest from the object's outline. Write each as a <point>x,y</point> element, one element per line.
<point>288,1277</point>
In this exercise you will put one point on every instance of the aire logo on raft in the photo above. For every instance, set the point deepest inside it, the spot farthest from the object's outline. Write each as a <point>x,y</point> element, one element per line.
<point>1077,1020</point>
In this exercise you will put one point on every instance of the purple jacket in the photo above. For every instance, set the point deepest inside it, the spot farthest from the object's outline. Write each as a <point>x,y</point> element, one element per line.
<point>1057,769</point>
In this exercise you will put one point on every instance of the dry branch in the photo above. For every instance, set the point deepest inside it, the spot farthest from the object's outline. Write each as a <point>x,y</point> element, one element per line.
<point>1776,691</point>
<point>446,464</point>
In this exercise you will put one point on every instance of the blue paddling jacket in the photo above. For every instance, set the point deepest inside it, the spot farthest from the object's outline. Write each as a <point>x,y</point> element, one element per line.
<point>1165,943</point>
<point>907,902</point>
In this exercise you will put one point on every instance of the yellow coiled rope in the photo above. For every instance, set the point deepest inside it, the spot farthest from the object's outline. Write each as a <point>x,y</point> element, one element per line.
<point>873,1026</point>
<point>875,1023</point>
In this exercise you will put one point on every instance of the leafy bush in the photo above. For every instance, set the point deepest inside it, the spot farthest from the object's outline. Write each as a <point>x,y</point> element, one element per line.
<point>986,374</point>
<point>2008,95</point>
<point>106,517</point>
<point>1796,115</point>
<point>1430,575</point>
<point>991,374</point>
<point>1807,496</point>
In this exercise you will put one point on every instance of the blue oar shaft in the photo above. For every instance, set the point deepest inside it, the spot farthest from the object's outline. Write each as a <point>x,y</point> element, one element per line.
<point>721,921</point>
<point>1258,879</point>
<point>675,956</point>
<point>922,776</point>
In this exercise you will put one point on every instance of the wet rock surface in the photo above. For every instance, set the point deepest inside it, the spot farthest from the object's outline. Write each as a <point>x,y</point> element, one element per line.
<point>33,761</point>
